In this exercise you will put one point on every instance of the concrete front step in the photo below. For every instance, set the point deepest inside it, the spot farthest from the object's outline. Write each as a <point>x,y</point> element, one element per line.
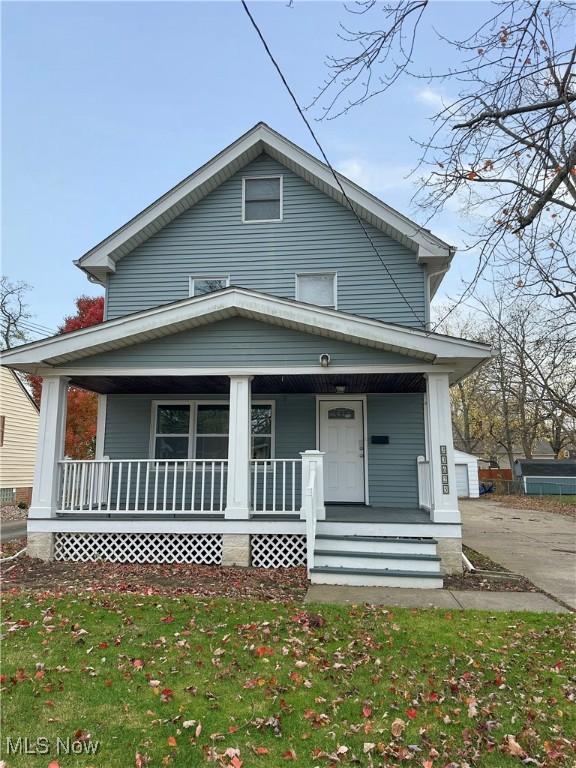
<point>379,544</point>
<point>407,561</point>
<point>373,577</point>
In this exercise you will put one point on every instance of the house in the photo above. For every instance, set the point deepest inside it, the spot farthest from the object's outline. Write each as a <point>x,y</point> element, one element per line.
<point>269,390</point>
<point>539,478</point>
<point>18,439</point>
<point>496,456</point>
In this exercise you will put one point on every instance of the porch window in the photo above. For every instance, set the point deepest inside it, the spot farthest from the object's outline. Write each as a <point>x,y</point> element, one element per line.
<point>317,288</point>
<point>200,430</point>
<point>262,199</point>
<point>212,431</point>
<point>202,284</point>
<point>172,431</point>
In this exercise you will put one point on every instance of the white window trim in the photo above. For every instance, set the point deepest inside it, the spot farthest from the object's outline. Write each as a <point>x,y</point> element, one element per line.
<point>259,178</point>
<point>192,431</point>
<point>192,278</point>
<point>318,273</point>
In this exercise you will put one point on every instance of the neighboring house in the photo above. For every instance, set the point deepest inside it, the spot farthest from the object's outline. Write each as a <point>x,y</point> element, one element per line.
<point>270,393</point>
<point>540,478</point>
<point>496,456</point>
<point>18,439</point>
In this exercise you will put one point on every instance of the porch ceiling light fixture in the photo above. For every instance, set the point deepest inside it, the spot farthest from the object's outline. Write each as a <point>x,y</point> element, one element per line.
<point>325,360</point>
<point>340,388</point>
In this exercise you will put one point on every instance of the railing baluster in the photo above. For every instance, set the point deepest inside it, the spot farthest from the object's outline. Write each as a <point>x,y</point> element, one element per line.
<point>212,487</point>
<point>264,483</point>
<point>146,487</point>
<point>119,487</point>
<point>293,486</point>
<point>184,470</point>
<point>255,487</point>
<point>193,500</point>
<point>203,486</point>
<point>64,475</point>
<point>165,486</point>
<point>156,470</point>
<point>273,486</point>
<point>137,497</point>
<point>283,486</point>
<point>221,505</point>
<point>100,484</point>
<point>128,480</point>
<point>110,479</point>
<point>174,486</point>
<point>89,484</point>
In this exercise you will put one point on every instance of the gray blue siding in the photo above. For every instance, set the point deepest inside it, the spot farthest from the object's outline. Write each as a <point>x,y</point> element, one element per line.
<point>392,468</point>
<point>240,341</point>
<point>316,233</point>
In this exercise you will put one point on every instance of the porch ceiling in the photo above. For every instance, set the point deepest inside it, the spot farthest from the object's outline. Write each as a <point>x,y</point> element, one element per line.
<point>261,385</point>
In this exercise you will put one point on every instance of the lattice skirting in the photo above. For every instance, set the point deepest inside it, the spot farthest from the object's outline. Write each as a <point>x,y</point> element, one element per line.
<point>139,547</point>
<point>277,550</point>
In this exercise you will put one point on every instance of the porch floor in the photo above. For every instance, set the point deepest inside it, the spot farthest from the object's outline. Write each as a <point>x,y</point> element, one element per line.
<point>359,513</point>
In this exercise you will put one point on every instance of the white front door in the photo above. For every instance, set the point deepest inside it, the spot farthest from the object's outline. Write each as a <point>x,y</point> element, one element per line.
<point>342,440</point>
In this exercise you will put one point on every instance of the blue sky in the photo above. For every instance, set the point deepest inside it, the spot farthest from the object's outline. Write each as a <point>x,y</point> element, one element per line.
<point>107,105</point>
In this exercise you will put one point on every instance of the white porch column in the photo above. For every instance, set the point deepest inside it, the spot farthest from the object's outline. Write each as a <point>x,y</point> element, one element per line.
<point>50,450</point>
<point>316,459</point>
<point>239,449</point>
<point>441,450</point>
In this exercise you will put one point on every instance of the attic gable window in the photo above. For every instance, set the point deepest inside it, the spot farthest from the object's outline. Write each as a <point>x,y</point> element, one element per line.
<point>201,284</point>
<point>262,199</point>
<point>317,288</point>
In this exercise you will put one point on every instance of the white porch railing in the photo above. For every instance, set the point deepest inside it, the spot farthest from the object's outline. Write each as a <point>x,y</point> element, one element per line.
<point>424,483</point>
<point>276,485</point>
<point>145,486</point>
<point>310,514</point>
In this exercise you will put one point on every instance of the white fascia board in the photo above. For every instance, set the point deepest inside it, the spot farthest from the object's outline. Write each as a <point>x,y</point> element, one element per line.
<point>131,329</point>
<point>262,138</point>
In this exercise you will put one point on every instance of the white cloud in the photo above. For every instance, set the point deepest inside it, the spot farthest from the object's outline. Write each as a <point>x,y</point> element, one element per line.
<point>377,177</point>
<point>431,97</point>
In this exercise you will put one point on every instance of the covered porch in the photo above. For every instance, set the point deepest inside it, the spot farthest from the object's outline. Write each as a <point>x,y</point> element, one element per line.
<point>242,447</point>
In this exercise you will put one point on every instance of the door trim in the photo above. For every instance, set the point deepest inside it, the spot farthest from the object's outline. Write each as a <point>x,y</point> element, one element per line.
<point>358,398</point>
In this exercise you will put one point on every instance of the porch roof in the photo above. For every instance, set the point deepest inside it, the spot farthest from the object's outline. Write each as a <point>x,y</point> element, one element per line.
<point>374,383</point>
<point>460,356</point>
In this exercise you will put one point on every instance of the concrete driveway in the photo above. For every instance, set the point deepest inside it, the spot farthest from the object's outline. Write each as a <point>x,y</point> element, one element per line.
<point>538,545</point>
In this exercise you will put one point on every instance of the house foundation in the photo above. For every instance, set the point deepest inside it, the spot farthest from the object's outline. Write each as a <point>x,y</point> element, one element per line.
<point>40,546</point>
<point>236,549</point>
<point>450,552</point>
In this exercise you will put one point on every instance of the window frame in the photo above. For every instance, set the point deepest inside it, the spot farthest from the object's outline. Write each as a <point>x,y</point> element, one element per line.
<point>262,178</point>
<point>318,273</point>
<point>192,427</point>
<point>193,278</point>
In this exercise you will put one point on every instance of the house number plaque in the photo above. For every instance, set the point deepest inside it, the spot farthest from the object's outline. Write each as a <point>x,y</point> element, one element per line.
<point>444,467</point>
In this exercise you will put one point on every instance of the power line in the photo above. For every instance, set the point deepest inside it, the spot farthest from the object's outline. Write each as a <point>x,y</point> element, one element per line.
<point>336,177</point>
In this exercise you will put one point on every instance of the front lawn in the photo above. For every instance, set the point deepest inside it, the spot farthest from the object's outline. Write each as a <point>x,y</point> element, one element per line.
<point>164,681</point>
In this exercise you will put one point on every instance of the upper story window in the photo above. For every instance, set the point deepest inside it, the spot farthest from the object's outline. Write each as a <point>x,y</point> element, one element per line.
<point>317,288</point>
<point>201,284</point>
<point>262,198</point>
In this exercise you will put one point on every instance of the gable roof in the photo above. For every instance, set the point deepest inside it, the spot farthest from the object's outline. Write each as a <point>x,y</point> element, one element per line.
<point>427,247</point>
<point>460,354</point>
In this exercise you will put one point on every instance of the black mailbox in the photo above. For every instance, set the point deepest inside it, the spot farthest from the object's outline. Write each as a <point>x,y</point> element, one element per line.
<point>380,439</point>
